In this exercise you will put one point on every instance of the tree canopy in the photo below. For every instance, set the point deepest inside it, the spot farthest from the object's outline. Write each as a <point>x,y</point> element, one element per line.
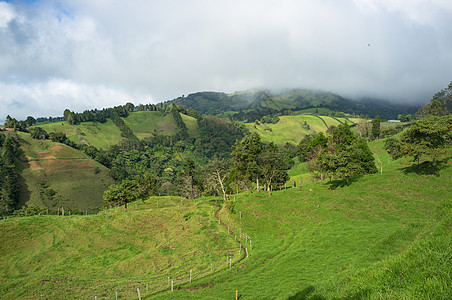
<point>426,137</point>
<point>342,155</point>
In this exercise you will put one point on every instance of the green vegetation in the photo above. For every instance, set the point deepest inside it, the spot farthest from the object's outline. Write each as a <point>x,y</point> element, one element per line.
<point>114,251</point>
<point>52,175</point>
<point>99,135</point>
<point>9,151</point>
<point>248,106</point>
<point>429,136</point>
<point>386,235</point>
<point>293,128</point>
<point>371,228</point>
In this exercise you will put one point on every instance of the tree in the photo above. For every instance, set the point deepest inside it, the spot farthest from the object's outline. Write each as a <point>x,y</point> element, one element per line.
<point>253,161</point>
<point>317,156</point>
<point>444,97</point>
<point>182,128</point>
<point>303,148</point>
<point>245,153</point>
<point>273,164</point>
<point>38,133</point>
<point>344,155</point>
<point>376,127</point>
<point>218,170</point>
<point>147,186</point>
<point>427,136</point>
<point>30,121</point>
<point>188,173</point>
<point>121,194</point>
<point>8,176</point>
<point>69,116</point>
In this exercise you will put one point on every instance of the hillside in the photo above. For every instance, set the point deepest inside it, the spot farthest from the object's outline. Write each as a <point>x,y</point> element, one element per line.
<point>386,235</point>
<point>293,128</point>
<point>252,105</point>
<point>97,255</point>
<point>53,175</point>
<point>142,123</point>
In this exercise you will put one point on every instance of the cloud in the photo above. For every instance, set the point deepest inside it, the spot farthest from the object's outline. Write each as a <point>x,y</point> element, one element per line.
<point>52,97</point>
<point>397,50</point>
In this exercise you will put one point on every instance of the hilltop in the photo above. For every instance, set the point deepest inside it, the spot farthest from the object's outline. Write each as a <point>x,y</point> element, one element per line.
<point>252,105</point>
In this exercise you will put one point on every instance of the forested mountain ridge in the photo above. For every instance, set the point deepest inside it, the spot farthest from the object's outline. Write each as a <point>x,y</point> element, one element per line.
<point>252,105</point>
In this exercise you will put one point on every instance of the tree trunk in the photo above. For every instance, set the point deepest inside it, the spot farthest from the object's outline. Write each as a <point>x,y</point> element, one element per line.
<point>321,177</point>
<point>222,187</point>
<point>125,206</point>
<point>257,184</point>
<point>269,188</point>
<point>434,162</point>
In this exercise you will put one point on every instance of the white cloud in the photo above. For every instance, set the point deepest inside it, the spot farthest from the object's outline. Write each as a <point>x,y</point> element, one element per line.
<point>170,48</point>
<point>51,98</point>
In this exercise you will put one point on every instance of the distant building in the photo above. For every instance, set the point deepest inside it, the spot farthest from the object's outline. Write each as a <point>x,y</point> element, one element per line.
<point>393,121</point>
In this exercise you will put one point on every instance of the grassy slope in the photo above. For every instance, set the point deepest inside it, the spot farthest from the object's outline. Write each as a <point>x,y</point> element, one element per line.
<point>67,171</point>
<point>143,123</point>
<point>146,123</point>
<point>100,135</point>
<point>86,256</point>
<point>362,240</point>
<point>289,128</point>
<point>192,125</point>
<point>385,235</point>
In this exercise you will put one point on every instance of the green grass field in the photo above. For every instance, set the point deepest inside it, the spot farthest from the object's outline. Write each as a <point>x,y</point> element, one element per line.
<point>192,125</point>
<point>99,135</point>
<point>359,241</point>
<point>57,257</point>
<point>290,128</point>
<point>143,124</point>
<point>386,235</point>
<point>147,123</point>
<point>46,166</point>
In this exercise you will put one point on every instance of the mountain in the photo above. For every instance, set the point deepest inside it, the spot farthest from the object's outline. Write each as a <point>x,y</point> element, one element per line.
<point>257,103</point>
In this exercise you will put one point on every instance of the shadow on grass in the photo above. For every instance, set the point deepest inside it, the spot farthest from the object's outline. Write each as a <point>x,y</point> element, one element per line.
<point>426,168</point>
<point>334,184</point>
<point>308,294</point>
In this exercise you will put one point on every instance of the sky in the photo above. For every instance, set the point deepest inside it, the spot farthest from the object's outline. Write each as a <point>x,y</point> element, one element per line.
<point>85,54</point>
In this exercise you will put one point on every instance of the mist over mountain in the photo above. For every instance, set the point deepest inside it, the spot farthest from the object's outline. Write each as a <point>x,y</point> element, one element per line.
<point>268,102</point>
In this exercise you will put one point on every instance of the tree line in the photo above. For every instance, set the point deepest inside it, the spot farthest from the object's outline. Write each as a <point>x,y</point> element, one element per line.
<point>9,150</point>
